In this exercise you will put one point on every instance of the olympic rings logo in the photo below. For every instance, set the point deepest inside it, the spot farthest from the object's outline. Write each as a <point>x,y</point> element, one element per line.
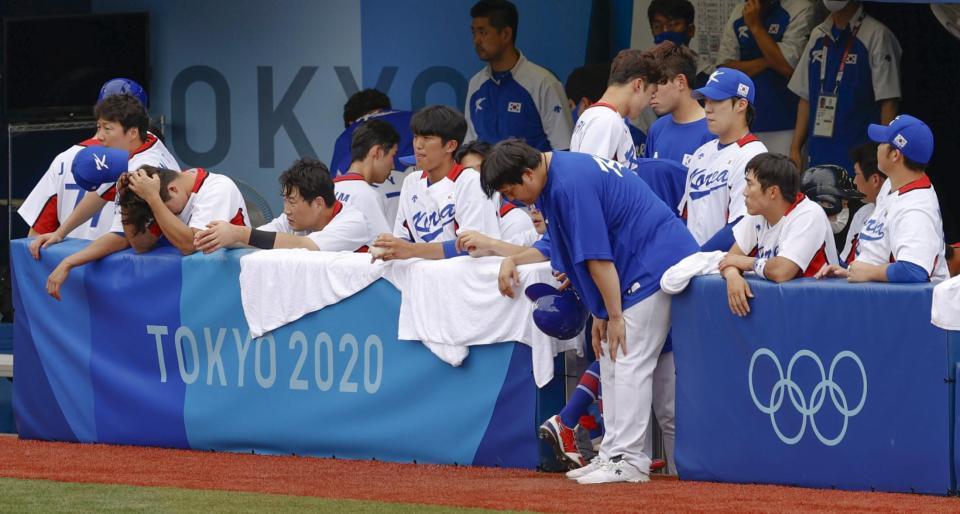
<point>808,407</point>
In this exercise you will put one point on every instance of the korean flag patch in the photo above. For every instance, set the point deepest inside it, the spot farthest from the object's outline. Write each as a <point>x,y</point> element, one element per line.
<point>743,90</point>
<point>900,141</point>
<point>513,107</point>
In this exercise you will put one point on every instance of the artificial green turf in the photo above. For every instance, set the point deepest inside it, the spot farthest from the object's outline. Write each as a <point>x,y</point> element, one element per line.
<point>46,496</point>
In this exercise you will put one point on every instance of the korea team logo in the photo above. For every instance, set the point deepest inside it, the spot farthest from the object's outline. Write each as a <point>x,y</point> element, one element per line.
<point>743,32</point>
<point>774,29</point>
<point>816,56</point>
<point>101,162</point>
<point>513,107</point>
<point>809,403</point>
<point>478,105</point>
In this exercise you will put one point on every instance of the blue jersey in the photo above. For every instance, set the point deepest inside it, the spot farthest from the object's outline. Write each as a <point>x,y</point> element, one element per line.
<point>527,102</point>
<point>667,179</point>
<point>340,162</point>
<point>871,74</point>
<point>788,23</point>
<point>598,210</point>
<point>668,139</point>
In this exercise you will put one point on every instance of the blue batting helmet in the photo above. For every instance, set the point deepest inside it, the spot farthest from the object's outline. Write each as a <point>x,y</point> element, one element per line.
<point>97,165</point>
<point>559,314</point>
<point>122,86</point>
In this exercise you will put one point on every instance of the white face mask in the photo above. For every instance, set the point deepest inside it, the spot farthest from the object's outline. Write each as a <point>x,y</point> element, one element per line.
<point>840,220</point>
<point>835,5</point>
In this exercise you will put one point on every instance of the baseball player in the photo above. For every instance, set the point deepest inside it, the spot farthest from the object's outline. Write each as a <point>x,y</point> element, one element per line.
<point>518,227</point>
<point>601,129</point>
<point>682,126</point>
<point>784,236</point>
<point>902,240</point>
<point>869,179</point>
<point>364,106</point>
<point>614,239</point>
<point>312,217</point>
<point>153,202</point>
<point>373,151</point>
<point>713,198</point>
<point>121,124</point>
<point>511,96</point>
<point>443,199</point>
<point>764,39</point>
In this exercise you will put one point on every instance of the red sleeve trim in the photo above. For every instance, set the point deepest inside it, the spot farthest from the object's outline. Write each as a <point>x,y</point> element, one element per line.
<point>47,221</point>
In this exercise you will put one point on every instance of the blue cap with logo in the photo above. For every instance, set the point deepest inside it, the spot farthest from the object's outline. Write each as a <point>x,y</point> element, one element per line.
<point>911,136</point>
<point>726,83</point>
<point>97,165</point>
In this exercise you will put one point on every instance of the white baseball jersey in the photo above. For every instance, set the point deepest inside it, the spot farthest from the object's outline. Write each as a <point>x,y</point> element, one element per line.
<point>802,235</point>
<point>601,131</point>
<point>57,194</point>
<point>214,197</point>
<point>353,190</point>
<point>434,213</point>
<point>716,180</point>
<point>348,230</point>
<point>151,153</point>
<point>516,226</point>
<point>905,226</point>
<point>856,225</point>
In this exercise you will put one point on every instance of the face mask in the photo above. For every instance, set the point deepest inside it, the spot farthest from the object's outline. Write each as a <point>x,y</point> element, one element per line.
<point>835,5</point>
<point>679,38</point>
<point>838,223</point>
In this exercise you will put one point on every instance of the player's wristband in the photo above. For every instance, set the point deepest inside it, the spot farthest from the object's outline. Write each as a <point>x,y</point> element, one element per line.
<point>262,239</point>
<point>758,266</point>
<point>450,250</point>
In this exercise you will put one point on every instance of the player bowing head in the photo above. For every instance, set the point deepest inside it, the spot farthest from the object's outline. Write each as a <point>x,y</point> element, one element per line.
<point>312,219</point>
<point>614,239</point>
<point>784,236</point>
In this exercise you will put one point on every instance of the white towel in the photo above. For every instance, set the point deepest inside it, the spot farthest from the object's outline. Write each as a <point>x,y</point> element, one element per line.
<point>945,309</point>
<point>272,284</point>
<point>678,276</point>
<point>454,303</point>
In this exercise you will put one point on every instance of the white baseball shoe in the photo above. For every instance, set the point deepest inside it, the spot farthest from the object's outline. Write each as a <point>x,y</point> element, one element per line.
<point>594,465</point>
<point>611,472</point>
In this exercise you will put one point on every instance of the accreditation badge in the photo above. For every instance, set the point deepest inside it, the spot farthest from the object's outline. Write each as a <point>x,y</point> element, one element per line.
<point>826,115</point>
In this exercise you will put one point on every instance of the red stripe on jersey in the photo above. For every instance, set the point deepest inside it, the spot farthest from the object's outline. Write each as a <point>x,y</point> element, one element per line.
<point>753,253</point>
<point>921,183</point>
<point>90,142</point>
<point>455,172</point>
<point>605,104</point>
<point>747,139</point>
<point>505,208</point>
<point>151,140</point>
<point>852,256</point>
<point>362,249</point>
<point>410,232</point>
<point>154,229</point>
<point>818,261</point>
<point>110,194</point>
<point>348,177</point>
<point>684,213</point>
<point>337,207</point>
<point>796,201</point>
<point>47,221</point>
<point>238,219</point>
<point>201,177</point>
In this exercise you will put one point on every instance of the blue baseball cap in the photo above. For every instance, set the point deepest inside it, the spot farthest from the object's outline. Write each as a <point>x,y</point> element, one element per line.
<point>97,165</point>
<point>911,136</point>
<point>726,83</point>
